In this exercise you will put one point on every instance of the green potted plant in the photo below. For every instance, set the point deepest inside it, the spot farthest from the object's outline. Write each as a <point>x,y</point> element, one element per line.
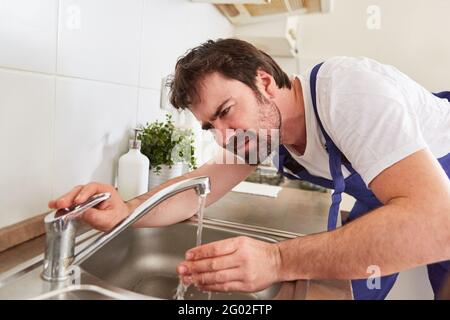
<point>168,148</point>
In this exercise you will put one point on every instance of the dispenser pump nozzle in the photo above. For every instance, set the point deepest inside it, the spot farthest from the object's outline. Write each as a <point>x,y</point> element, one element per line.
<point>135,143</point>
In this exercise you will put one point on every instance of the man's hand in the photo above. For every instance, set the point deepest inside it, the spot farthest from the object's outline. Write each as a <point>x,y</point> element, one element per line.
<point>105,215</point>
<point>236,264</point>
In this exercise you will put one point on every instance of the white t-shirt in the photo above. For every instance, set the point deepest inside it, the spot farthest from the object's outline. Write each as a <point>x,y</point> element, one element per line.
<point>375,115</point>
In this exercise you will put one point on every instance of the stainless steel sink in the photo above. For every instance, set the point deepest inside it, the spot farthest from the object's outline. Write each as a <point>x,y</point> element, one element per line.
<point>144,261</point>
<point>87,292</point>
<point>141,264</point>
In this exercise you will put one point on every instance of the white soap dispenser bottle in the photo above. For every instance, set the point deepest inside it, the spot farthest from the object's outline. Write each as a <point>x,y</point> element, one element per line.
<point>132,178</point>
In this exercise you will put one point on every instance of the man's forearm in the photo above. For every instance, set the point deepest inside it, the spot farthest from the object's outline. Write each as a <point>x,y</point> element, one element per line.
<point>183,205</point>
<point>223,177</point>
<point>394,237</point>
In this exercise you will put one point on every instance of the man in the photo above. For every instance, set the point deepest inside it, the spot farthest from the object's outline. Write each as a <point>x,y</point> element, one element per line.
<point>353,125</point>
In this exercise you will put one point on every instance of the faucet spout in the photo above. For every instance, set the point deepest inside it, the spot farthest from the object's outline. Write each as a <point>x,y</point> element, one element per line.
<point>60,227</point>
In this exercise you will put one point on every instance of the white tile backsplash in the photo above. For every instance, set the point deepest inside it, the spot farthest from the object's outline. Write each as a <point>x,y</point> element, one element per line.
<point>28,31</point>
<point>93,124</point>
<point>170,28</point>
<point>75,76</point>
<point>100,39</point>
<point>149,106</point>
<point>26,124</point>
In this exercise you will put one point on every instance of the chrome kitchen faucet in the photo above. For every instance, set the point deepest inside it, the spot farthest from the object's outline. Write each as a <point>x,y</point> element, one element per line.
<point>60,227</point>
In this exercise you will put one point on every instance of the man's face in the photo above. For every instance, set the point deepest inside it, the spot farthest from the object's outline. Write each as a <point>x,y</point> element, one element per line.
<point>241,122</point>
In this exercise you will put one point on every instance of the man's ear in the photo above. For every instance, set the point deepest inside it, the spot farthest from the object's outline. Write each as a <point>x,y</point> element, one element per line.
<point>265,83</point>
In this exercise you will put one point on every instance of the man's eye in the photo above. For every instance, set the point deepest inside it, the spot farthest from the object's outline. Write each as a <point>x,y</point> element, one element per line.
<point>225,111</point>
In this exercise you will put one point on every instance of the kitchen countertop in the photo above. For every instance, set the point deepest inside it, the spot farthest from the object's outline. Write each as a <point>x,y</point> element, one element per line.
<point>294,210</point>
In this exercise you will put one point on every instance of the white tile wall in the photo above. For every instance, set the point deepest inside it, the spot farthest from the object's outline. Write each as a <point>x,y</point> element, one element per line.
<point>148,109</point>
<point>28,34</point>
<point>26,128</point>
<point>86,71</point>
<point>181,25</point>
<point>92,126</point>
<point>100,39</point>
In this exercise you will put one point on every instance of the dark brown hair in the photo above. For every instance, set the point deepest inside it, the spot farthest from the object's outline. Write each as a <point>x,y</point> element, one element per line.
<point>233,58</point>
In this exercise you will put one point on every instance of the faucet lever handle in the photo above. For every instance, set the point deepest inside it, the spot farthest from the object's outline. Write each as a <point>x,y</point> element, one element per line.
<point>77,209</point>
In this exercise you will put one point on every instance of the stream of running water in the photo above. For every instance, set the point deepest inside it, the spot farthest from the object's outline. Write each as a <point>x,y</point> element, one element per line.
<point>182,288</point>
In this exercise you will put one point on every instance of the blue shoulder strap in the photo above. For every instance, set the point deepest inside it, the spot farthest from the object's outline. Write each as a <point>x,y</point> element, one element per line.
<point>335,158</point>
<point>443,95</point>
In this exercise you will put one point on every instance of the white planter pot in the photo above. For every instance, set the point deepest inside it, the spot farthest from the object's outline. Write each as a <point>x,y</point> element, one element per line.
<point>166,173</point>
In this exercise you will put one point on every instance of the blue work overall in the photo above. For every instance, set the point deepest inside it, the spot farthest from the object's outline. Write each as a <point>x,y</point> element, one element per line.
<point>365,200</point>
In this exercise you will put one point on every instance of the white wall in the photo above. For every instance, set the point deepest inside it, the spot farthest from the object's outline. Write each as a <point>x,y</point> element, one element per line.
<point>75,76</point>
<point>413,36</point>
